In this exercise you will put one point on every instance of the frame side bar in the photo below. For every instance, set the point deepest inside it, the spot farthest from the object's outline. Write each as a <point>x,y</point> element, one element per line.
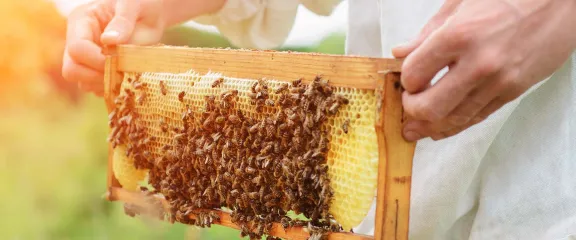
<point>112,80</point>
<point>395,163</point>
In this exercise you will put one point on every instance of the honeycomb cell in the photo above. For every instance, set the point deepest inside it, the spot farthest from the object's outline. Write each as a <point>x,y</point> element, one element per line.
<point>352,158</point>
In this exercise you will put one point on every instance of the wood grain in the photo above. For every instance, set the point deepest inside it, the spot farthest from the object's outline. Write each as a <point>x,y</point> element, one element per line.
<point>294,233</point>
<point>348,71</point>
<point>395,163</point>
<point>112,80</point>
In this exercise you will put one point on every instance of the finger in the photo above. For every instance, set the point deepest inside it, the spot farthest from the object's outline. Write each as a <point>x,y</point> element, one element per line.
<point>122,25</point>
<point>479,104</point>
<point>435,22</point>
<point>420,67</point>
<point>452,132</point>
<point>415,130</point>
<point>442,98</point>
<point>73,71</point>
<point>489,109</point>
<point>81,47</point>
<point>83,23</point>
<point>474,103</point>
<point>483,114</point>
<point>87,53</point>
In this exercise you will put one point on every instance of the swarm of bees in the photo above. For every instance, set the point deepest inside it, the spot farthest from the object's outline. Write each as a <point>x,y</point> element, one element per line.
<point>126,129</point>
<point>259,168</point>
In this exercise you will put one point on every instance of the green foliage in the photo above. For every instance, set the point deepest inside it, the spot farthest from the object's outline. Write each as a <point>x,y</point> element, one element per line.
<point>186,36</point>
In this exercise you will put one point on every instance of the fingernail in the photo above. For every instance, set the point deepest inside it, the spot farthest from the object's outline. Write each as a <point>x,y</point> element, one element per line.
<point>412,136</point>
<point>111,34</point>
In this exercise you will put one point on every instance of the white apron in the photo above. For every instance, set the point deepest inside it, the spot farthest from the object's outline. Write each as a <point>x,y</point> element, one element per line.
<point>512,176</point>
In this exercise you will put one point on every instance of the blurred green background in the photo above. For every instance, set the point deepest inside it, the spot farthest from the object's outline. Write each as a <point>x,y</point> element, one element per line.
<point>53,146</point>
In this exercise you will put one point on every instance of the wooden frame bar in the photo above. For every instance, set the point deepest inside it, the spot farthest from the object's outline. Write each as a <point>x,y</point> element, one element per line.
<point>380,74</point>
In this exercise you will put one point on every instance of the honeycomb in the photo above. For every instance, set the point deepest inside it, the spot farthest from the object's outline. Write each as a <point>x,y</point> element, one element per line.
<point>124,170</point>
<point>352,158</point>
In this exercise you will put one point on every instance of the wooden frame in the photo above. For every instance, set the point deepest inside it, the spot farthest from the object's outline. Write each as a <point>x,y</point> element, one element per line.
<point>380,74</point>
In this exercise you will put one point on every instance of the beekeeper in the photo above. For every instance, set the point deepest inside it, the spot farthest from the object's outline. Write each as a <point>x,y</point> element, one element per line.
<point>503,114</point>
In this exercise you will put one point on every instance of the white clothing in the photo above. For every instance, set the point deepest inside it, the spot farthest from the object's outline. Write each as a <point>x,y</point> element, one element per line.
<point>509,177</point>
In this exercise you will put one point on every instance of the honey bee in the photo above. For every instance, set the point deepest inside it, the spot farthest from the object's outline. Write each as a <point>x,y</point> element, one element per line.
<point>253,87</point>
<point>290,114</point>
<point>228,177</point>
<point>282,100</point>
<point>141,98</point>
<point>179,138</point>
<point>277,147</point>
<point>281,89</point>
<point>289,194</point>
<point>209,102</point>
<point>253,195</point>
<point>163,126</point>
<point>250,170</point>
<point>254,128</point>
<point>208,123</point>
<point>297,82</point>
<point>139,85</point>
<point>207,192</point>
<point>345,126</point>
<point>245,199</point>
<point>199,152</point>
<point>320,117</point>
<point>269,102</point>
<point>270,131</point>
<point>215,216</point>
<point>181,96</point>
<point>334,108</point>
<point>266,163</point>
<point>295,98</point>
<point>233,119</point>
<point>220,119</point>
<point>260,229</point>
<point>226,96</point>
<point>325,87</point>
<point>267,149</point>
<point>343,100</point>
<point>309,90</point>
<point>217,82</point>
<point>163,88</point>
<point>262,82</point>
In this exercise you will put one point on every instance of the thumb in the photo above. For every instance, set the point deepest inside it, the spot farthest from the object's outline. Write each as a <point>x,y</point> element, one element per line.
<point>435,22</point>
<point>121,27</point>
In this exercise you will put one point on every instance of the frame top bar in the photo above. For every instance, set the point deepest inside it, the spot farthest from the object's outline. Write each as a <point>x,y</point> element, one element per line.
<point>341,70</point>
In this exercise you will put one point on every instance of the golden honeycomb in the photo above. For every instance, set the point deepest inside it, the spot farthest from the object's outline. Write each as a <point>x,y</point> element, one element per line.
<point>124,170</point>
<point>352,158</point>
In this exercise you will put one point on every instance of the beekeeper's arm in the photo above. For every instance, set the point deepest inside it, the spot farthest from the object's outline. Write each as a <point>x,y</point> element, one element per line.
<point>247,23</point>
<point>261,24</point>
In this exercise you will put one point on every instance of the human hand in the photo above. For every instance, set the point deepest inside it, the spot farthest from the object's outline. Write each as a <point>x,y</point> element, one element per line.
<point>106,22</point>
<point>495,50</point>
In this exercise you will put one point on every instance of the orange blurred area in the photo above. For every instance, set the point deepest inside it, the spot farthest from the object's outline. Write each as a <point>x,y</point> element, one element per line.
<point>32,36</point>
